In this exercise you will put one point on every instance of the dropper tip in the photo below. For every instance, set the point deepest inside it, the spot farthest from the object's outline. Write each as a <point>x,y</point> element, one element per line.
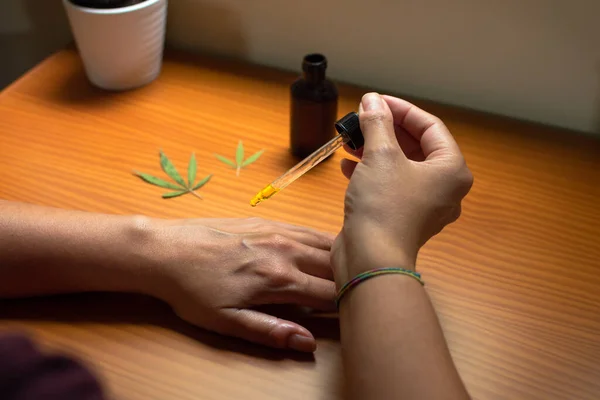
<point>256,199</point>
<point>263,195</point>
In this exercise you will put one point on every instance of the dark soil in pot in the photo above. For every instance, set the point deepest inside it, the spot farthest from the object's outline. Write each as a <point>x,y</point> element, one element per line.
<point>106,3</point>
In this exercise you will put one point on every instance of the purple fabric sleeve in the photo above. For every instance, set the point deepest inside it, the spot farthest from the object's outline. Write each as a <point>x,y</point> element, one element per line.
<point>28,374</point>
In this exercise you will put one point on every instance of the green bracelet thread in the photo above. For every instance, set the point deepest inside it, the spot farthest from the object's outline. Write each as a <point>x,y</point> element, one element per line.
<point>358,279</point>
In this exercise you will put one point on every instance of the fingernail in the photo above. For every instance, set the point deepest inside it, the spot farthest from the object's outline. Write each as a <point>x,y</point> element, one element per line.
<point>371,102</point>
<point>302,343</point>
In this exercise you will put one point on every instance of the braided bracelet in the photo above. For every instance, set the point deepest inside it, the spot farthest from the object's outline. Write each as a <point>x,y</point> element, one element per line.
<point>358,279</point>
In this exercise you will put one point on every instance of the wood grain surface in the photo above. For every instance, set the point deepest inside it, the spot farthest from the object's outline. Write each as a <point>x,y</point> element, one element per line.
<point>516,281</point>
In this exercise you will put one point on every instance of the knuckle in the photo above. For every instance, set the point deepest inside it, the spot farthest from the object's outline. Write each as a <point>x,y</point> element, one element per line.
<point>466,180</point>
<point>280,242</point>
<point>431,122</point>
<point>461,176</point>
<point>453,167</point>
<point>327,239</point>
<point>435,123</point>
<point>272,243</point>
<point>453,214</point>
<point>274,336</point>
<point>374,116</point>
<point>457,212</point>
<point>385,151</point>
<point>438,123</point>
<point>302,283</point>
<point>280,276</point>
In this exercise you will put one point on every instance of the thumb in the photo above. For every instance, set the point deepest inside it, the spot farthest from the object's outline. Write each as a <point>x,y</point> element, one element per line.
<point>377,124</point>
<point>267,330</point>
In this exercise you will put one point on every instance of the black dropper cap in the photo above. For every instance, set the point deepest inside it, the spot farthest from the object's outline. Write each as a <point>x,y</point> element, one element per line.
<point>349,127</point>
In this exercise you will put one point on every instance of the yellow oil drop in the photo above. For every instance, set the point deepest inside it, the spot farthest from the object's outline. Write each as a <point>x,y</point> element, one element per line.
<point>263,195</point>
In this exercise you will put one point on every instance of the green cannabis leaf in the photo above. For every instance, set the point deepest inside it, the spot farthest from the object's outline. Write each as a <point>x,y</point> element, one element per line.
<point>157,181</point>
<point>239,162</point>
<point>170,169</point>
<point>252,158</point>
<point>225,160</point>
<point>239,155</point>
<point>192,167</point>
<point>180,187</point>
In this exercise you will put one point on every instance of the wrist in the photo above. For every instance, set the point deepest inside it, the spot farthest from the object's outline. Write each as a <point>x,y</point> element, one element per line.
<point>139,266</point>
<point>385,258</point>
<point>167,252</point>
<point>366,247</point>
<point>348,264</point>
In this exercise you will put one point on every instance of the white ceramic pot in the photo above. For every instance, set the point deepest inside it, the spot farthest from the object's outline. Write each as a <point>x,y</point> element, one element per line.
<point>121,48</point>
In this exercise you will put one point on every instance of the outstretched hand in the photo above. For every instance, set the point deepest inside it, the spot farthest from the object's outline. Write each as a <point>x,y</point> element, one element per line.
<point>215,271</point>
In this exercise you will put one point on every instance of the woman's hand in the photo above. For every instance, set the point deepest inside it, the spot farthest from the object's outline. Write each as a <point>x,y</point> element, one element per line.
<point>214,271</point>
<point>408,185</point>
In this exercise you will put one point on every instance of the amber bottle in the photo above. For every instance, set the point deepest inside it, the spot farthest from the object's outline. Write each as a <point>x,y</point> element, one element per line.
<point>313,111</point>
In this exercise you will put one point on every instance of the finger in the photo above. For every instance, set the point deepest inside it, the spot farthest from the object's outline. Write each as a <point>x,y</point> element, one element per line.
<point>310,236</point>
<point>435,139</point>
<point>315,262</point>
<point>377,124</point>
<point>316,242</point>
<point>356,153</point>
<point>348,167</point>
<point>307,236</point>
<point>304,235</point>
<point>310,291</point>
<point>267,330</point>
<point>409,145</point>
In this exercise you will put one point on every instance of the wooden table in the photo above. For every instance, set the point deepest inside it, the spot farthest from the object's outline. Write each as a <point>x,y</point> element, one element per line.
<point>516,281</point>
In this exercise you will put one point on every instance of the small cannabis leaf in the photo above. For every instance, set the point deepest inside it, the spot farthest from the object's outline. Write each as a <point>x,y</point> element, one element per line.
<point>239,162</point>
<point>180,187</point>
<point>192,167</point>
<point>239,156</point>
<point>252,158</point>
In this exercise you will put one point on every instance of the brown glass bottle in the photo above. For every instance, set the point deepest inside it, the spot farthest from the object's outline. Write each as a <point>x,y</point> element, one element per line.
<point>313,111</point>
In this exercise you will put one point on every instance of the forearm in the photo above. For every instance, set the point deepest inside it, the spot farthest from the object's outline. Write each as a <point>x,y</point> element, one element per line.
<point>393,344</point>
<point>48,251</point>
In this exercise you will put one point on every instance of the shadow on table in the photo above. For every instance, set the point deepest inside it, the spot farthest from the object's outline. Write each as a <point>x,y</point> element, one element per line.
<point>113,308</point>
<point>77,90</point>
<point>74,87</point>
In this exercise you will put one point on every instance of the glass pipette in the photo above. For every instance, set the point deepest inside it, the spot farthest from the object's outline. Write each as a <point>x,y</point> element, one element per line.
<point>349,132</point>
